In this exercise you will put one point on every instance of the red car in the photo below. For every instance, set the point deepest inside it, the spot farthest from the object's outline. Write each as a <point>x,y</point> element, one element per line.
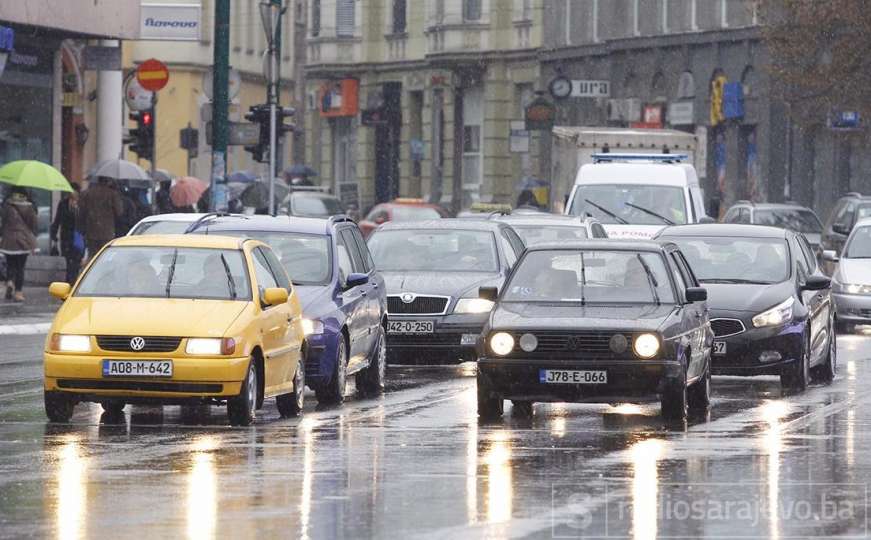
<point>400,210</point>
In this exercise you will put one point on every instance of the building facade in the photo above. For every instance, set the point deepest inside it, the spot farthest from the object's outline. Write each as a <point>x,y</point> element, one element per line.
<point>416,99</point>
<point>184,102</point>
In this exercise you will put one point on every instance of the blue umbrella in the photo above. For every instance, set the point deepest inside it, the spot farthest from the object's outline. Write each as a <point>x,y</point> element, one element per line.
<point>300,170</point>
<point>244,177</point>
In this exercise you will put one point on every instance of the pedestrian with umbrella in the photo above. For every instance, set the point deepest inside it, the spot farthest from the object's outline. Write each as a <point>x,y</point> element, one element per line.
<point>18,216</point>
<point>186,192</point>
<point>99,207</point>
<point>298,175</point>
<point>72,243</point>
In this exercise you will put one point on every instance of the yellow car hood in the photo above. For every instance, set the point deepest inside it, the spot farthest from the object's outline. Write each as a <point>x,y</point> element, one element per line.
<point>147,316</point>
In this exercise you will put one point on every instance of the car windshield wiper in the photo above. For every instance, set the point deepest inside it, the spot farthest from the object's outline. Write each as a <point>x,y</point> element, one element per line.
<point>651,279</point>
<point>735,281</point>
<point>171,272</point>
<point>230,282</point>
<point>650,213</point>
<point>607,212</point>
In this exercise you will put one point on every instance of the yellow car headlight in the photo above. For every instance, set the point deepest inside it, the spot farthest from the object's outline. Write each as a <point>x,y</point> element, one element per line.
<point>71,343</point>
<point>473,305</point>
<point>211,346</point>
<point>502,343</point>
<point>646,346</point>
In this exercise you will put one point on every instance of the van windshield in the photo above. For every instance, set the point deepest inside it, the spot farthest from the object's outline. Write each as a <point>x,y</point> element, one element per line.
<point>635,204</point>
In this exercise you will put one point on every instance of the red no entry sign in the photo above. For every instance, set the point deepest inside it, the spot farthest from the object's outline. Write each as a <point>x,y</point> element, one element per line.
<point>152,74</point>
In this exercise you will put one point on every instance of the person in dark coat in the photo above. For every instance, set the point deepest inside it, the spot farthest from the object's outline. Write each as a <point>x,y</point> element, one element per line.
<point>99,206</point>
<point>18,240</point>
<point>65,224</point>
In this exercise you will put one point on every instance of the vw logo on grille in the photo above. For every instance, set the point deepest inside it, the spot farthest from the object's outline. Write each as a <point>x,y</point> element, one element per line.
<point>573,343</point>
<point>407,297</point>
<point>137,343</point>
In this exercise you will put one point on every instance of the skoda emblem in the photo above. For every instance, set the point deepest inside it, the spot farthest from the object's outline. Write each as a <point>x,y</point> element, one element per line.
<point>407,297</point>
<point>137,343</point>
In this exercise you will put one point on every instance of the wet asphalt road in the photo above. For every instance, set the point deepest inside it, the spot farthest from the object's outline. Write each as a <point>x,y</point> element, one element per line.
<point>417,464</point>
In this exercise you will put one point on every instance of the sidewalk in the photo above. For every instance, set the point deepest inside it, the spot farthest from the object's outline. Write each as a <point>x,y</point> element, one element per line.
<point>37,301</point>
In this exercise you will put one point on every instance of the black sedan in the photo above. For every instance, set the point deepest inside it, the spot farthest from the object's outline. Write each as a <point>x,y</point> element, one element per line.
<point>771,308</point>
<point>433,270</point>
<point>597,321</point>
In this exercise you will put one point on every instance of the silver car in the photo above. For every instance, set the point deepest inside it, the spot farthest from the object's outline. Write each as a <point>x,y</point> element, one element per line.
<point>851,281</point>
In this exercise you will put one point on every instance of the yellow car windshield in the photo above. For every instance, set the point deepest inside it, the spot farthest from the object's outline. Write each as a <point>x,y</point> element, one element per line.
<point>168,272</point>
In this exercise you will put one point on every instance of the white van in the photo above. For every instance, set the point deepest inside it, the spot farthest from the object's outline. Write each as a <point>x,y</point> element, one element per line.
<point>635,195</point>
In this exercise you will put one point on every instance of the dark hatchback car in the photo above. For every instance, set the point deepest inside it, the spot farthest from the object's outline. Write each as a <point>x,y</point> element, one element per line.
<point>785,216</point>
<point>601,322</point>
<point>433,270</point>
<point>849,210</point>
<point>770,306</point>
<point>343,298</point>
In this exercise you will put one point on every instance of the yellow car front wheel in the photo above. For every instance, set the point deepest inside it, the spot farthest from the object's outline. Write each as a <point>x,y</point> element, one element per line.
<point>241,408</point>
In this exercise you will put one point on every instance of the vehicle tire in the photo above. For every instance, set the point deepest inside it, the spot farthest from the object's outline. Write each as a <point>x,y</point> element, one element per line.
<point>113,407</point>
<point>699,394</point>
<point>489,407</point>
<point>674,399</point>
<point>333,392</point>
<point>290,405</point>
<point>370,381</point>
<point>521,409</point>
<point>825,372</point>
<point>241,409</point>
<point>795,376</point>
<point>58,407</point>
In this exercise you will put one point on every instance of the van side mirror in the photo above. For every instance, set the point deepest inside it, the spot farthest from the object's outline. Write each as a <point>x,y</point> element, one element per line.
<point>696,294</point>
<point>488,293</point>
<point>816,283</point>
<point>840,228</point>
<point>60,290</point>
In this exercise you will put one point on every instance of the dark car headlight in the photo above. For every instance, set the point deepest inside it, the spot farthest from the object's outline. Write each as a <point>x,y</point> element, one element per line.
<point>502,343</point>
<point>646,346</point>
<point>775,316</point>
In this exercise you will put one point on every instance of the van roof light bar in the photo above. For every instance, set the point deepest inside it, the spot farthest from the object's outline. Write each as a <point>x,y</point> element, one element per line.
<point>662,158</point>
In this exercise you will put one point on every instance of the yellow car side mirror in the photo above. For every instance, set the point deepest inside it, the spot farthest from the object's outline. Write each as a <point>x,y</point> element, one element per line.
<point>60,290</point>
<point>274,296</point>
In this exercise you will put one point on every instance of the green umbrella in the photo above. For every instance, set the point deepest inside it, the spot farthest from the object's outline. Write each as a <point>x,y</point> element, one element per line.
<point>34,174</point>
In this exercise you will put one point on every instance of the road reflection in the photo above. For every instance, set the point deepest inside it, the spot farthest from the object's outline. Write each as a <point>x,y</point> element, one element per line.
<point>645,487</point>
<point>72,492</point>
<point>497,464</point>
<point>202,489</point>
<point>772,412</point>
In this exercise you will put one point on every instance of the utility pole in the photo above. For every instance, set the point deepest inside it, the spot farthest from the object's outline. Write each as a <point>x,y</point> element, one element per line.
<point>270,15</point>
<point>220,104</point>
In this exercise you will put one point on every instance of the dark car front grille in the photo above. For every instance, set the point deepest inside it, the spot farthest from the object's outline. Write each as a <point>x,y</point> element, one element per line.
<point>582,342</point>
<point>153,344</point>
<point>420,305</point>
<point>424,340</point>
<point>726,327</point>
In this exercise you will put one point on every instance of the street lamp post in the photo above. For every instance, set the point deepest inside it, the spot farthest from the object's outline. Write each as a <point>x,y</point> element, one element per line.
<point>270,15</point>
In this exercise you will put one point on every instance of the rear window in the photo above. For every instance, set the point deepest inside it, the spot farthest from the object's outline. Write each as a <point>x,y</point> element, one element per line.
<point>797,220</point>
<point>161,227</point>
<point>414,213</point>
<point>314,206</point>
<point>534,235</point>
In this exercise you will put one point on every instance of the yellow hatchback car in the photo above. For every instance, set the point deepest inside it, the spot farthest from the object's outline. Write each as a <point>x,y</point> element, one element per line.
<point>177,319</point>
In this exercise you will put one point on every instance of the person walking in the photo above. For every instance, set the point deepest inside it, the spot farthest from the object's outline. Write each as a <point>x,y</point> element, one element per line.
<point>72,243</point>
<point>99,206</point>
<point>18,240</point>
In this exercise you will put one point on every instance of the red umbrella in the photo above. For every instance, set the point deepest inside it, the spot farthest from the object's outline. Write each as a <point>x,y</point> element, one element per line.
<point>187,190</point>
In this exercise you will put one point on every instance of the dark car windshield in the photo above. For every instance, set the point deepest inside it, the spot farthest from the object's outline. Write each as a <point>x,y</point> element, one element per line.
<point>534,235</point>
<point>168,272</point>
<point>590,276</point>
<point>736,260</point>
<point>796,219</point>
<point>305,257</point>
<point>161,227</point>
<point>636,204</point>
<point>859,246</point>
<point>314,205</point>
<point>434,250</point>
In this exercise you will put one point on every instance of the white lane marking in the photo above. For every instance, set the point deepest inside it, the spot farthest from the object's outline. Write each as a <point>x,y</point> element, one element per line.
<point>25,329</point>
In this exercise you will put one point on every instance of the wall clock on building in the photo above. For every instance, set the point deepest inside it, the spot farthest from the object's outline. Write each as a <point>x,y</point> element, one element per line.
<point>560,87</point>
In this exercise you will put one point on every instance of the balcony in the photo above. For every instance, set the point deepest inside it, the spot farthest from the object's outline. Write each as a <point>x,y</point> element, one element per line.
<point>334,50</point>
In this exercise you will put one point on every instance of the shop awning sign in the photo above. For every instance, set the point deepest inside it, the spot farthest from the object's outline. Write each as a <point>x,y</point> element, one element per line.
<point>170,22</point>
<point>591,89</point>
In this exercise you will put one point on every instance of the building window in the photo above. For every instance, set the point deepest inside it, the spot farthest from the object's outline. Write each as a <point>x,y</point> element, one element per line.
<point>399,16</point>
<point>316,18</point>
<point>472,10</point>
<point>345,18</point>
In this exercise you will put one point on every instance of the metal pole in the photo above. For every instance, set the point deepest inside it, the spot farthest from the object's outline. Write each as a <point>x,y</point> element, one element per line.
<point>273,102</point>
<point>151,191</point>
<point>220,104</point>
<point>110,122</point>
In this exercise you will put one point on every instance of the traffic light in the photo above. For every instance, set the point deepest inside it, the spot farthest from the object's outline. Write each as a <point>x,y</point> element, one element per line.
<point>282,128</point>
<point>259,114</point>
<point>142,137</point>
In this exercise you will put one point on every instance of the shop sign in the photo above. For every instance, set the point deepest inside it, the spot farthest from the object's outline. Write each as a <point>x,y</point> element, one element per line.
<point>339,98</point>
<point>99,58</point>
<point>170,22</point>
<point>7,38</point>
<point>681,113</point>
<point>717,100</point>
<point>518,138</point>
<point>540,114</point>
<point>733,100</point>
<point>651,117</point>
<point>591,89</point>
<point>845,120</point>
